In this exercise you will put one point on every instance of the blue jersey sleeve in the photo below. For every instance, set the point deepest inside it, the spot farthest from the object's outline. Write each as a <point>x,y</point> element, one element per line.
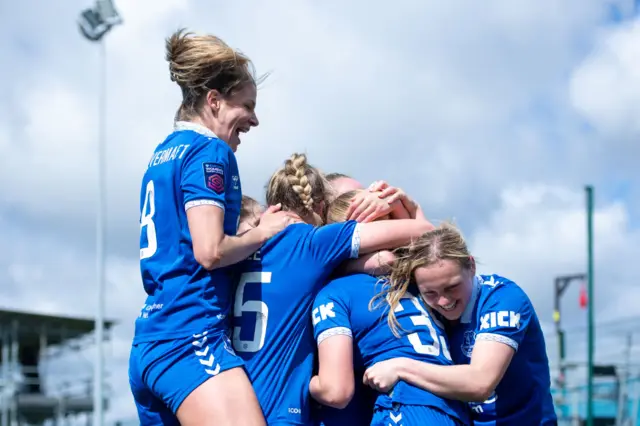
<point>205,174</point>
<point>330,315</point>
<point>332,244</point>
<point>505,316</point>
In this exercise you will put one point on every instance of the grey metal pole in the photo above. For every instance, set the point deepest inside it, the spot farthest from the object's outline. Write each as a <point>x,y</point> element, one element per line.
<point>590,304</point>
<point>13,366</point>
<point>7,387</point>
<point>98,384</point>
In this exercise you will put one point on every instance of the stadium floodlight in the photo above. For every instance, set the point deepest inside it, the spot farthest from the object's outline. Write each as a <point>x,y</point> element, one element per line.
<point>94,24</point>
<point>108,12</point>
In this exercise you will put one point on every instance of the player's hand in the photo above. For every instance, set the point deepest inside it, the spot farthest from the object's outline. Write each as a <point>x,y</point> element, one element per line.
<point>404,207</point>
<point>378,186</point>
<point>367,207</point>
<point>273,220</point>
<point>382,376</point>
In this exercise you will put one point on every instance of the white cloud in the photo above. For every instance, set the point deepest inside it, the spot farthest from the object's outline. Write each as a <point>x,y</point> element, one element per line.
<point>343,83</point>
<point>606,87</point>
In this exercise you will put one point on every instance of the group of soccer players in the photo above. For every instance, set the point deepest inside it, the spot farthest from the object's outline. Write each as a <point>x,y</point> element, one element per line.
<point>334,305</point>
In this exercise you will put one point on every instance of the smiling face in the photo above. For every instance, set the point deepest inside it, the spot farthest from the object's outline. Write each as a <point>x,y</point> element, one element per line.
<point>234,114</point>
<point>446,286</point>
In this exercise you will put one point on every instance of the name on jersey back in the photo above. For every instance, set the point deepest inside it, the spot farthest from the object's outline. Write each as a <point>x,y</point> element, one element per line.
<point>169,154</point>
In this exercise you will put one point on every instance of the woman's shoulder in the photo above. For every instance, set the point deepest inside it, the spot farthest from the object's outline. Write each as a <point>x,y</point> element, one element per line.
<point>495,287</point>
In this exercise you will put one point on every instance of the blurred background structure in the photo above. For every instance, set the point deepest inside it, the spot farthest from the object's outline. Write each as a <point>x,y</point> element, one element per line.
<point>616,396</point>
<point>33,391</point>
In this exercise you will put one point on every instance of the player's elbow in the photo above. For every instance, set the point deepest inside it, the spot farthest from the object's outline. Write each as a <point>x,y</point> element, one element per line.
<point>479,395</point>
<point>481,390</point>
<point>339,399</point>
<point>339,395</point>
<point>208,257</point>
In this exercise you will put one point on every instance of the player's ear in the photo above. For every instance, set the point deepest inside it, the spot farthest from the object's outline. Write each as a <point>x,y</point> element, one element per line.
<point>213,100</point>
<point>472,265</point>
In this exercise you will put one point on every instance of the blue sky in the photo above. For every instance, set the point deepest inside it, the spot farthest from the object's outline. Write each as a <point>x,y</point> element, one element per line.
<point>492,113</point>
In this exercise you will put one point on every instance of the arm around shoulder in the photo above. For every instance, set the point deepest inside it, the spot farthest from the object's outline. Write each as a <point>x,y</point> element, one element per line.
<point>211,247</point>
<point>377,263</point>
<point>389,234</point>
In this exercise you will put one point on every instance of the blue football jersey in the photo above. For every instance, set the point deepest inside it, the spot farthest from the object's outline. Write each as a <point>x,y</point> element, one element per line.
<point>342,307</point>
<point>191,167</point>
<point>272,331</point>
<point>500,311</point>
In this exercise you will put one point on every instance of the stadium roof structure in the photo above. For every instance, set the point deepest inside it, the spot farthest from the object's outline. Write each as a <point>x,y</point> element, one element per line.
<point>24,394</point>
<point>32,327</point>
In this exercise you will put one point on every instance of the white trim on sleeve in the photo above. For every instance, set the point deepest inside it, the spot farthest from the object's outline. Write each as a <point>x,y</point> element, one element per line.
<point>196,203</point>
<point>335,331</point>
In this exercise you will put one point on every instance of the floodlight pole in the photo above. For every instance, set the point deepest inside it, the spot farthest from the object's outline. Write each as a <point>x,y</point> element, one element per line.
<point>95,23</point>
<point>98,383</point>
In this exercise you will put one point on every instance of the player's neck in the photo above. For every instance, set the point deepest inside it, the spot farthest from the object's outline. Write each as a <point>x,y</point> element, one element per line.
<point>205,121</point>
<point>312,219</point>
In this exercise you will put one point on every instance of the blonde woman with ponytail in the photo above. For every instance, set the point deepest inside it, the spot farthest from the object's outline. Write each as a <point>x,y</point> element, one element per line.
<point>182,369</point>
<point>493,330</point>
<point>272,332</point>
<point>357,336</point>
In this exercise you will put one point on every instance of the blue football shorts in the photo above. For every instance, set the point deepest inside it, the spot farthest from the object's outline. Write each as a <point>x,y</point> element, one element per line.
<point>163,373</point>
<point>412,415</point>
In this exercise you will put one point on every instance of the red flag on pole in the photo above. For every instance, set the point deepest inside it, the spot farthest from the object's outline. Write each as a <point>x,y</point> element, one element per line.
<point>583,299</point>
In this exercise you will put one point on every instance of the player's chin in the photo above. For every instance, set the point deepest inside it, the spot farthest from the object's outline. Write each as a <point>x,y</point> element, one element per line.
<point>234,141</point>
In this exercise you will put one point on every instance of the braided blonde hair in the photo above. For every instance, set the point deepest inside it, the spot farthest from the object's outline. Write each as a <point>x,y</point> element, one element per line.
<point>299,187</point>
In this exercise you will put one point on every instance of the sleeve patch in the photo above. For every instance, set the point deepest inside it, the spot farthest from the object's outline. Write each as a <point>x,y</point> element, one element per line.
<point>214,177</point>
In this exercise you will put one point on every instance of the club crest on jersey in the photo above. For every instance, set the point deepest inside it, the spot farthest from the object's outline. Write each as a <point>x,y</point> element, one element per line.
<point>214,177</point>
<point>468,340</point>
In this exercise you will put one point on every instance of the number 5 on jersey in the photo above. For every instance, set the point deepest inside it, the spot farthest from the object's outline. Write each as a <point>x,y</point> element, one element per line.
<point>258,306</point>
<point>146,222</point>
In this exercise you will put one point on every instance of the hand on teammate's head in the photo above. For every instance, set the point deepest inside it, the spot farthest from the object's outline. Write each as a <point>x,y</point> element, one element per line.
<point>403,206</point>
<point>367,207</point>
<point>273,220</point>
